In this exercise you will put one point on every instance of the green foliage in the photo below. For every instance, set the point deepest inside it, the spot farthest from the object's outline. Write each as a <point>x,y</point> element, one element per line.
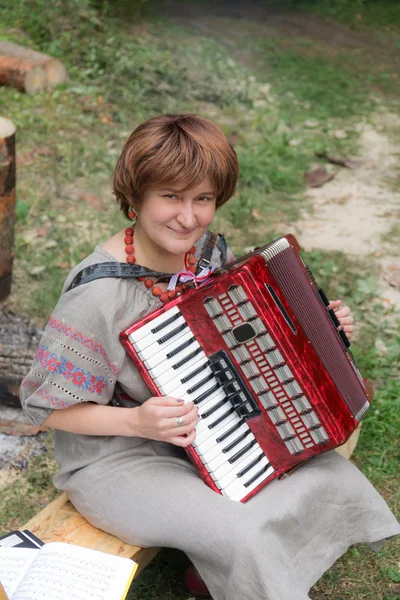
<point>273,164</point>
<point>341,278</point>
<point>373,13</point>
<point>44,21</point>
<point>22,210</point>
<point>393,574</point>
<point>314,80</point>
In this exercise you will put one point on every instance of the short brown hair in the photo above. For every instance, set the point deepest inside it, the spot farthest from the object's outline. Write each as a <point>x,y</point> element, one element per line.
<point>171,148</point>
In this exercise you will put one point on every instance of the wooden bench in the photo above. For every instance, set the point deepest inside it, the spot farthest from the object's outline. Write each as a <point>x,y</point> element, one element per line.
<point>59,521</point>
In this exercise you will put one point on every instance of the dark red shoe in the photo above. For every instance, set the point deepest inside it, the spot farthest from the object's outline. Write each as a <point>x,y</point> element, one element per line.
<point>195,584</point>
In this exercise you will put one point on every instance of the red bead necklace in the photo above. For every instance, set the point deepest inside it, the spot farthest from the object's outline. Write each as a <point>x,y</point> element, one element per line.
<point>190,265</point>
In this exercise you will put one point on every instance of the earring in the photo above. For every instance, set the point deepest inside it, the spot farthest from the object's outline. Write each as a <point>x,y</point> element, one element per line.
<point>132,216</point>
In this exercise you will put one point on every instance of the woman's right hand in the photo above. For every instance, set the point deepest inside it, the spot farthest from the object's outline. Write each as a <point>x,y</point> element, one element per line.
<point>157,419</point>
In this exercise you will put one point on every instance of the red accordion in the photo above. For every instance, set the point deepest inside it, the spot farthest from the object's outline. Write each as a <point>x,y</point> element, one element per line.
<point>257,350</point>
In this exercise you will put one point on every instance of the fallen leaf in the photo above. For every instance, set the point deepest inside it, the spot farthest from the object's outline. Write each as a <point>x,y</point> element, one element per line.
<point>83,224</point>
<point>318,177</point>
<point>27,158</point>
<point>63,265</point>
<point>256,214</point>
<point>42,231</point>
<point>392,276</point>
<point>91,199</point>
<point>29,236</point>
<point>106,119</point>
<point>50,244</point>
<point>311,123</point>
<point>233,138</point>
<point>340,134</point>
<point>37,270</point>
<point>343,162</point>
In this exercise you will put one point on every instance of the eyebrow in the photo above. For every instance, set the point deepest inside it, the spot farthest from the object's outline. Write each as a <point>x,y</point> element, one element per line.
<point>208,193</point>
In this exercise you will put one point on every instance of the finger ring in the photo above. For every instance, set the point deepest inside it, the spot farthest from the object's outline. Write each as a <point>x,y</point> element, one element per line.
<point>179,421</point>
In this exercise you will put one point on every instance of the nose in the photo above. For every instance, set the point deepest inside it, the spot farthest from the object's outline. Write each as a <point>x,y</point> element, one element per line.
<point>186,216</point>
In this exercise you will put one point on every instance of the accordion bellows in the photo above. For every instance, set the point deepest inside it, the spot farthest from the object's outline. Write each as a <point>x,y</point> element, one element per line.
<point>257,350</point>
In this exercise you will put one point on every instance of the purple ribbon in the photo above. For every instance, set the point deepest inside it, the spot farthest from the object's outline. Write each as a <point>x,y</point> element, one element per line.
<point>185,276</point>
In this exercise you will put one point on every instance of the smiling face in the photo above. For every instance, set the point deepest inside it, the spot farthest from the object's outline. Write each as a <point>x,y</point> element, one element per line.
<point>171,219</point>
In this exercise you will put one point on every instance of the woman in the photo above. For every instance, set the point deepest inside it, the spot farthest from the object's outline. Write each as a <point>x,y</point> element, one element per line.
<point>125,468</point>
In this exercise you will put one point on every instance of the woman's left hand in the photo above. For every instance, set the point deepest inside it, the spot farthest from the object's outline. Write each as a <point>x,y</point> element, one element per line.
<point>345,318</point>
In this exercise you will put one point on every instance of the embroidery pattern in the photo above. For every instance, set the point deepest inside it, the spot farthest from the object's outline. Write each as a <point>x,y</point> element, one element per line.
<point>92,360</point>
<point>52,400</point>
<point>49,399</point>
<point>29,383</point>
<point>65,391</point>
<point>87,341</point>
<point>84,380</point>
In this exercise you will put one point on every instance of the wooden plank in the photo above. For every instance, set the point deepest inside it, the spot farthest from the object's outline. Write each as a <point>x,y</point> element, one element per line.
<point>59,521</point>
<point>348,448</point>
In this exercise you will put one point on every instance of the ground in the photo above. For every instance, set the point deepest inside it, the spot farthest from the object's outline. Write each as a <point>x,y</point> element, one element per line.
<point>284,85</point>
<point>359,210</point>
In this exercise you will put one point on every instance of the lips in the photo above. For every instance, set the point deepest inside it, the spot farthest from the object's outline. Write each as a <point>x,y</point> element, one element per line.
<point>184,232</point>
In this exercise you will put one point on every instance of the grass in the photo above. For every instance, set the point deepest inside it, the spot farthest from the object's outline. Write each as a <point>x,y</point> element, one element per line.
<point>31,491</point>
<point>279,99</point>
<point>370,13</point>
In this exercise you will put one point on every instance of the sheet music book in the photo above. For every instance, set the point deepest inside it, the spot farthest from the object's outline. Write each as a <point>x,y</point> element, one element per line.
<point>21,539</point>
<point>64,572</point>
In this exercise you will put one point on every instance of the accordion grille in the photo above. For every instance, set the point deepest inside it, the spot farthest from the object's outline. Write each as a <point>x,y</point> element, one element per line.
<point>306,306</point>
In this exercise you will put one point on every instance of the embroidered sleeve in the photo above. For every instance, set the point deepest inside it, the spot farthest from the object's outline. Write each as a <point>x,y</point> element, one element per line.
<point>76,361</point>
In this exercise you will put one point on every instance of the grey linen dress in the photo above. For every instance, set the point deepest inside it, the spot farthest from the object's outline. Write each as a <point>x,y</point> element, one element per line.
<point>274,547</point>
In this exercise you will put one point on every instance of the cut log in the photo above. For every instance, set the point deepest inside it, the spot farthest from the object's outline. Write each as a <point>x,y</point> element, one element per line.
<point>28,70</point>
<point>7,203</point>
<point>22,74</point>
<point>19,338</point>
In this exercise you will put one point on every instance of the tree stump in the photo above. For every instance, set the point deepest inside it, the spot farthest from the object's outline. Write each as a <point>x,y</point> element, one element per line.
<point>19,338</point>
<point>7,204</point>
<point>28,70</point>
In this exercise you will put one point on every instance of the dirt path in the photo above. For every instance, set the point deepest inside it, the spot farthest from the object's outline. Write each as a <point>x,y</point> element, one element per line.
<point>226,19</point>
<point>359,211</point>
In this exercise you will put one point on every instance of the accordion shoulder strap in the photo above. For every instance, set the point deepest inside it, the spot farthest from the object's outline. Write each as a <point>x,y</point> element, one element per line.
<point>125,271</point>
<point>208,248</point>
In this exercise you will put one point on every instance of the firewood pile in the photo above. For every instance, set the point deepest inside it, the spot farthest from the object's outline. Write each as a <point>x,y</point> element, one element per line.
<point>19,338</point>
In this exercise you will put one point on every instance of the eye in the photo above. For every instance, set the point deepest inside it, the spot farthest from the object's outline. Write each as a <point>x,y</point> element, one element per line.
<point>170,196</point>
<point>204,198</point>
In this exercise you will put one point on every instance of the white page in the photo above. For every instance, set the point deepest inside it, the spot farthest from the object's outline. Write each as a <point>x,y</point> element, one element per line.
<point>67,572</point>
<point>14,562</point>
